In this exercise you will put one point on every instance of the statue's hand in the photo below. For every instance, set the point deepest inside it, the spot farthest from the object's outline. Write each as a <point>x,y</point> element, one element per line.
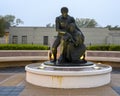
<point>62,32</point>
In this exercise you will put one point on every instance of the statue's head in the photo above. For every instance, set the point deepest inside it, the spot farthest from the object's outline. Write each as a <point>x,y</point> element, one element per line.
<point>64,11</point>
<point>71,27</point>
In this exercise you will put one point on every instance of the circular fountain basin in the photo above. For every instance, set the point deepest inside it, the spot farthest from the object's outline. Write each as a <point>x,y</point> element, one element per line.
<point>92,75</point>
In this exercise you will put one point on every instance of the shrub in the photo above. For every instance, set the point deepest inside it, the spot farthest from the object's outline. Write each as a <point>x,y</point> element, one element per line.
<point>23,47</point>
<point>104,47</point>
<point>114,48</point>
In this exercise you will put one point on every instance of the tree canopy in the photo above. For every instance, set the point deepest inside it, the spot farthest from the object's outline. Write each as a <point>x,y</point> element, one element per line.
<point>86,23</point>
<point>113,28</point>
<point>50,25</point>
<point>2,27</point>
<point>8,21</point>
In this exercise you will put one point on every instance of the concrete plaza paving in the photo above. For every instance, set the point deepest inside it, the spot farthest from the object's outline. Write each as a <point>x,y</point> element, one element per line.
<point>13,83</point>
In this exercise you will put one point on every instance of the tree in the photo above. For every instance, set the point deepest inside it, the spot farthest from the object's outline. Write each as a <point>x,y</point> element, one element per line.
<point>8,21</point>
<point>50,25</point>
<point>109,27</point>
<point>19,21</point>
<point>113,28</point>
<point>12,20</point>
<point>2,27</point>
<point>86,23</point>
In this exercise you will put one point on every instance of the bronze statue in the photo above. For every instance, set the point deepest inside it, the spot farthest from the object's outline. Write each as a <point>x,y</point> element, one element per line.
<point>63,23</point>
<point>73,46</point>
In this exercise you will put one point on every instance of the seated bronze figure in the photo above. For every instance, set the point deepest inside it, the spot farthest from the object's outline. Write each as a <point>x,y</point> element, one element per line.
<point>72,46</point>
<point>71,39</point>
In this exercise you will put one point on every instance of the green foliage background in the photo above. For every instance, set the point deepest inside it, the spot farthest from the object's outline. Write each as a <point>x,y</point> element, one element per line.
<point>2,27</point>
<point>44,47</point>
<point>104,47</point>
<point>23,47</point>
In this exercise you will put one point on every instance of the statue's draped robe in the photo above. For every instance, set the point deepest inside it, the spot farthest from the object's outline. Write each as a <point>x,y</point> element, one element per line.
<point>72,51</point>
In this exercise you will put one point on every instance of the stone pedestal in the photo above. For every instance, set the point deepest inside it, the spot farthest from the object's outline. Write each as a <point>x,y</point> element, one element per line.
<point>86,76</point>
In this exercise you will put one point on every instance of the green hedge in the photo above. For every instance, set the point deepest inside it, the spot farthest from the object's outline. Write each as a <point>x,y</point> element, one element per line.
<point>23,47</point>
<point>43,47</point>
<point>104,47</point>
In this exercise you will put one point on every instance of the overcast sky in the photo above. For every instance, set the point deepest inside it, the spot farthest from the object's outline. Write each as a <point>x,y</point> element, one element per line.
<point>42,12</point>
